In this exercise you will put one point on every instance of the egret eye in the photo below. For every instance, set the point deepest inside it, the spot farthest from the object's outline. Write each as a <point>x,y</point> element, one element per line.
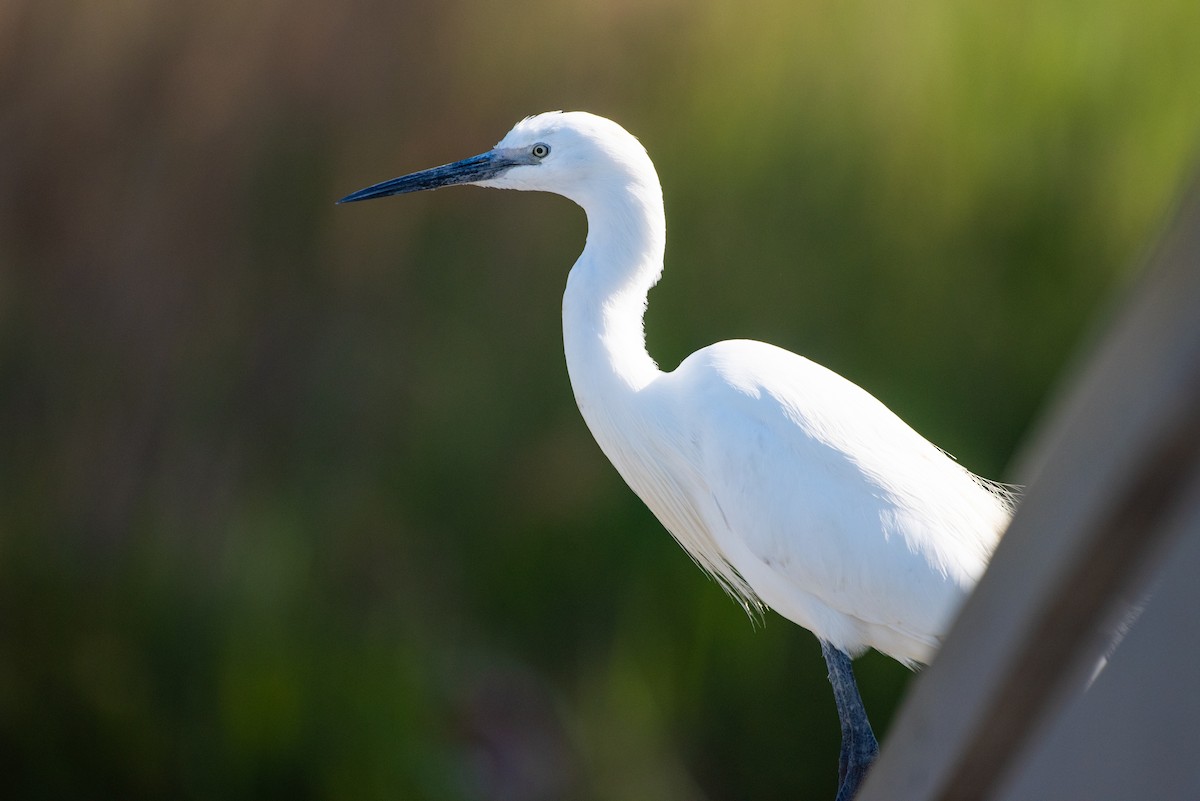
<point>540,150</point>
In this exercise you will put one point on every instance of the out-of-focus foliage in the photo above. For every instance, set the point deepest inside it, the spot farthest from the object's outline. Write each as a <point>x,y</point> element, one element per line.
<point>294,500</point>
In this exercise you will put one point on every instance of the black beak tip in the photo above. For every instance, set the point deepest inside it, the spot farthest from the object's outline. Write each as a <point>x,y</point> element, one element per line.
<point>353,197</point>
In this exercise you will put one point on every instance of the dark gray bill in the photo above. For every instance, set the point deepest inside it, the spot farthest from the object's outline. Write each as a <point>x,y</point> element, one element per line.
<point>477,168</point>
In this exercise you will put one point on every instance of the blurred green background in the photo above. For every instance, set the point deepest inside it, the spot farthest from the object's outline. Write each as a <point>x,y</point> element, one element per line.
<point>294,499</point>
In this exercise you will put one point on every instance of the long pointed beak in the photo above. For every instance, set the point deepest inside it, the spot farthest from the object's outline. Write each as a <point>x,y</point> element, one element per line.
<point>468,171</point>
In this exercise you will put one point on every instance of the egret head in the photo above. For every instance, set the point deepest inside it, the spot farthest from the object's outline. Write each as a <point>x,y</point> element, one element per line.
<point>574,154</point>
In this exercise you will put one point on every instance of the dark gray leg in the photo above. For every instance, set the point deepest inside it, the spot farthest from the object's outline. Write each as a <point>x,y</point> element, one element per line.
<point>859,747</point>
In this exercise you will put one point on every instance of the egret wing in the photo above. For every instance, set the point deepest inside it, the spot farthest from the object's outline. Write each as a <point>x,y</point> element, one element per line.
<point>832,509</point>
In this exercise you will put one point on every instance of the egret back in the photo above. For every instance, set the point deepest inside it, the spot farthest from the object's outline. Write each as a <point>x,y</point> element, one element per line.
<point>833,510</point>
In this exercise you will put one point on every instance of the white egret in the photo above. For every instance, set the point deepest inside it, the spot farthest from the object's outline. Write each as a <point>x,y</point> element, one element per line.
<point>792,486</point>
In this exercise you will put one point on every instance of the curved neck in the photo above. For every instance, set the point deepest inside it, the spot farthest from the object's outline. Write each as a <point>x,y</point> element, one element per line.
<point>605,300</point>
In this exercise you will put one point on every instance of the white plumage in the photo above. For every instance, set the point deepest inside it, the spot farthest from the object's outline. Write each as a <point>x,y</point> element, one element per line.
<point>791,485</point>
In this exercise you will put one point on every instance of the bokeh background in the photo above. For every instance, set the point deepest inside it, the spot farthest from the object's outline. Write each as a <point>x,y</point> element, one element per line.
<point>294,499</point>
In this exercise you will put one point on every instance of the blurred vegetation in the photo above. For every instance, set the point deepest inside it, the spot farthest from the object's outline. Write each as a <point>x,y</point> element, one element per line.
<point>295,502</point>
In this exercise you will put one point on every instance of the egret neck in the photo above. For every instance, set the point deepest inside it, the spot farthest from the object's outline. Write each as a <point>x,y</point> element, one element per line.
<point>605,300</point>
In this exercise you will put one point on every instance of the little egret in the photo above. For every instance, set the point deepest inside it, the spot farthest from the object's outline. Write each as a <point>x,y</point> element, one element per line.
<point>796,489</point>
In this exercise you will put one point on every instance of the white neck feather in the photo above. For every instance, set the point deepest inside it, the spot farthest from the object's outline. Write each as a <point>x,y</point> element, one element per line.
<point>605,301</point>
